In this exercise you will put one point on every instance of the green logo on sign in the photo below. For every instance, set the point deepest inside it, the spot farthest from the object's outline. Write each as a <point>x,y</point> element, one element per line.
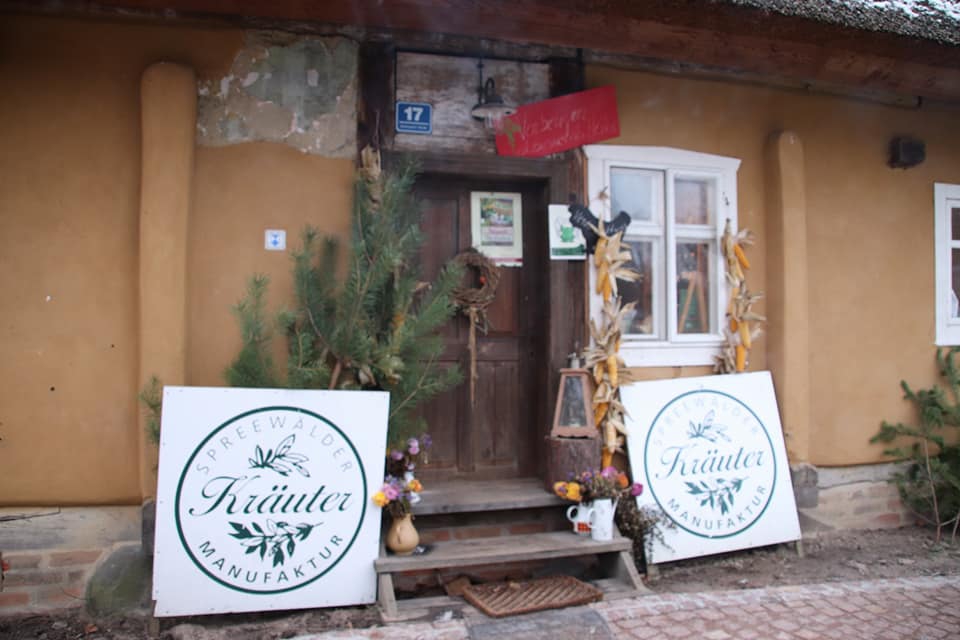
<point>271,500</point>
<point>709,464</point>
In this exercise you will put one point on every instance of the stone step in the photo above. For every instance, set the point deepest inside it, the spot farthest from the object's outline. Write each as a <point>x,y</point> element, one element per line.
<point>455,496</point>
<point>519,548</point>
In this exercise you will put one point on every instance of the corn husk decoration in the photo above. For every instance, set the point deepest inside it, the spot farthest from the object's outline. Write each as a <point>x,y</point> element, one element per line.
<point>742,324</point>
<point>602,358</point>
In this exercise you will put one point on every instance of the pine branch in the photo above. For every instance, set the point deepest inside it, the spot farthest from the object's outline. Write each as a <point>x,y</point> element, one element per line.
<point>253,367</point>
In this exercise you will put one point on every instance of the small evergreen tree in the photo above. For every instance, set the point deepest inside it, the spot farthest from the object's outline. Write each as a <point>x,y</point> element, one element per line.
<point>930,484</point>
<point>375,329</point>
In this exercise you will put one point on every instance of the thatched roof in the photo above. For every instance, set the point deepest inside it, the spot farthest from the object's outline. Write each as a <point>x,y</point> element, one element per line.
<point>937,20</point>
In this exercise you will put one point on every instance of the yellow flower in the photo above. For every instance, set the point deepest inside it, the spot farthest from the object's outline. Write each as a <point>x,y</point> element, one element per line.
<point>415,486</point>
<point>560,488</point>
<point>573,491</point>
<point>380,499</point>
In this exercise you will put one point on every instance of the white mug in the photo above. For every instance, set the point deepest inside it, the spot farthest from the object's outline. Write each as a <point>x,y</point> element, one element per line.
<point>579,515</point>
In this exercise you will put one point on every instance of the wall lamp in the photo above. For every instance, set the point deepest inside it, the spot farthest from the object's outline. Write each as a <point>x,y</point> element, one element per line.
<point>490,106</point>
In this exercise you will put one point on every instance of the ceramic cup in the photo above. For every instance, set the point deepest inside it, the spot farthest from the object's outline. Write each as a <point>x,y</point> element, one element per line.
<point>579,515</point>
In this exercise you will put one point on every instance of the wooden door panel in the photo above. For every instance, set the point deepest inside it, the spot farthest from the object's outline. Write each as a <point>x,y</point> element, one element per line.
<point>503,313</point>
<point>441,232</point>
<point>440,410</point>
<point>493,437</point>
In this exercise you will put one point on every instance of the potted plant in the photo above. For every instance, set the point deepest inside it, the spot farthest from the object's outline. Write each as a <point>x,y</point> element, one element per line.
<point>598,492</point>
<point>400,491</point>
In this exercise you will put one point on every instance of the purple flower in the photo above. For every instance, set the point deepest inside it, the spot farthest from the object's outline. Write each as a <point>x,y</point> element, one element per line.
<point>413,446</point>
<point>426,441</point>
<point>609,473</point>
<point>636,489</point>
<point>391,491</point>
<point>396,455</point>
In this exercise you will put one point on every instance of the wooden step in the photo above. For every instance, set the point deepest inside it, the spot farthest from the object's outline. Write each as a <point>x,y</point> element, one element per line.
<point>457,496</point>
<point>478,551</point>
<point>614,556</point>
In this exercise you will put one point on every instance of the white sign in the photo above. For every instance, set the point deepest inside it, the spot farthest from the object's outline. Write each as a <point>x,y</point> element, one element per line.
<point>496,226</point>
<point>566,241</point>
<point>275,240</point>
<point>263,499</point>
<point>710,454</point>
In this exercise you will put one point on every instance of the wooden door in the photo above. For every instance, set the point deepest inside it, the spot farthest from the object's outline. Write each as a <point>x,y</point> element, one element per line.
<point>496,436</point>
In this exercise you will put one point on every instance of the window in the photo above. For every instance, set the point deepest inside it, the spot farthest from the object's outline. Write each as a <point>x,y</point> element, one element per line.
<point>678,202</point>
<point>947,237</point>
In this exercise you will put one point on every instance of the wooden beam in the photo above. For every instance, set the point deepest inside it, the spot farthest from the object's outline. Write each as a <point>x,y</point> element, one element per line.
<point>375,108</point>
<point>693,32</point>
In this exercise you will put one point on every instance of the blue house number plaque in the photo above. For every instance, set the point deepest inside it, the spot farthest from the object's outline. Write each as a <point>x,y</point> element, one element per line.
<point>414,117</point>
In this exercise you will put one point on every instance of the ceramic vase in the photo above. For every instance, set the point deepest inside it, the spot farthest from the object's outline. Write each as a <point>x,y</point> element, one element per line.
<point>600,517</point>
<point>402,537</point>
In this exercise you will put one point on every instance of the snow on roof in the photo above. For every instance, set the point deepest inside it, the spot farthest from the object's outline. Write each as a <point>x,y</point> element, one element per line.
<point>928,19</point>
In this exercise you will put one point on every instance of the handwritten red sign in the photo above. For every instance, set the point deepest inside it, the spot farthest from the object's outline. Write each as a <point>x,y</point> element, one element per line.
<point>559,124</point>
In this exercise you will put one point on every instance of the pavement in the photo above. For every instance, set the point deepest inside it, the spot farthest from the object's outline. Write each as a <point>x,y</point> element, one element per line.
<point>918,608</point>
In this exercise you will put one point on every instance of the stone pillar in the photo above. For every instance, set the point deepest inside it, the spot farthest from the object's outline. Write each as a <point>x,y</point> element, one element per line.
<point>168,99</point>
<point>788,331</point>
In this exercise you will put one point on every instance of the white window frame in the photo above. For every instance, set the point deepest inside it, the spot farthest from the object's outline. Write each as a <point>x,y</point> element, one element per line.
<point>945,197</point>
<point>676,349</point>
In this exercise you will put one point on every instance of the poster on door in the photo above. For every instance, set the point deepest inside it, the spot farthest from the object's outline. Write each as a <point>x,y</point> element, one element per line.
<point>263,499</point>
<point>710,454</point>
<point>496,225</point>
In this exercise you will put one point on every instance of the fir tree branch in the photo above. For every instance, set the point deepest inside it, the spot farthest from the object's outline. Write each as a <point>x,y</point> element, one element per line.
<point>410,396</point>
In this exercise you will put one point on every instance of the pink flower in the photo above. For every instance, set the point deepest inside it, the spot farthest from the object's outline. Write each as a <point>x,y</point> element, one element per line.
<point>636,489</point>
<point>609,473</point>
<point>413,446</point>
<point>396,455</point>
<point>391,491</point>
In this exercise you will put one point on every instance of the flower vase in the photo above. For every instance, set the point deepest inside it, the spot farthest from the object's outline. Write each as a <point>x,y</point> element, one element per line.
<point>402,537</point>
<point>600,517</point>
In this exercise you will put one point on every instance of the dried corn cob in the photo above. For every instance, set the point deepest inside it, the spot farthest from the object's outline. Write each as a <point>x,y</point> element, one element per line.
<point>741,256</point>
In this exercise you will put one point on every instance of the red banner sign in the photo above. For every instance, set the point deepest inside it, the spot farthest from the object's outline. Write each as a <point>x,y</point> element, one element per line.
<point>559,124</point>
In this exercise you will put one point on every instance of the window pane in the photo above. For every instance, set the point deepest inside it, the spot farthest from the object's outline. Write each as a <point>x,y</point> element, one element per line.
<point>955,223</point>
<point>695,201</point>
<point>641,319</point>
<point>693,287</point>
<point>955,283</point>
<point>636,191</point>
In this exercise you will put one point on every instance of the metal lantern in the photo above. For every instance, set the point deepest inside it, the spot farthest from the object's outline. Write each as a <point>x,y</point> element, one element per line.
<point>573,415</point>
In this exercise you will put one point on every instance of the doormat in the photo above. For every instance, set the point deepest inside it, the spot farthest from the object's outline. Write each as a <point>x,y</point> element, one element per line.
<point>501,599</point>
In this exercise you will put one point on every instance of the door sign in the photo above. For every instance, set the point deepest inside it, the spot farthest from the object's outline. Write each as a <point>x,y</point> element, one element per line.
<point>414,117</point>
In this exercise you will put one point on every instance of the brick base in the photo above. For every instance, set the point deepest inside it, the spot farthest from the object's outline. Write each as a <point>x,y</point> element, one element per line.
<point>870,504</point>
<point>46,580</point>
<point>52,558</point>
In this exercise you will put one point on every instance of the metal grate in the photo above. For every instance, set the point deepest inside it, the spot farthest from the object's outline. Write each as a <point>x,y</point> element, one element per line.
<point>501,599</point>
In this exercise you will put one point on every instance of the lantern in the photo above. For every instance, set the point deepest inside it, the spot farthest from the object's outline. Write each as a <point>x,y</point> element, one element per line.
<point>573,415</point>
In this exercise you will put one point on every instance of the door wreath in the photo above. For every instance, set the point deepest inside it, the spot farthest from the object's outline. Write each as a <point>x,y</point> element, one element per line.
<point>473,301</point>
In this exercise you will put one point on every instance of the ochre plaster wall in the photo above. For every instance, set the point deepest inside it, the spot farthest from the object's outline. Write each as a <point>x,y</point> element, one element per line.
<point>70,161</point>
<point>240,191</point>
<point>869,232</point>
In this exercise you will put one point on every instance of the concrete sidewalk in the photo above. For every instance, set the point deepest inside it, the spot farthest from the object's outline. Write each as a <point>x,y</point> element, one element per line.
<point>922,608</point>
